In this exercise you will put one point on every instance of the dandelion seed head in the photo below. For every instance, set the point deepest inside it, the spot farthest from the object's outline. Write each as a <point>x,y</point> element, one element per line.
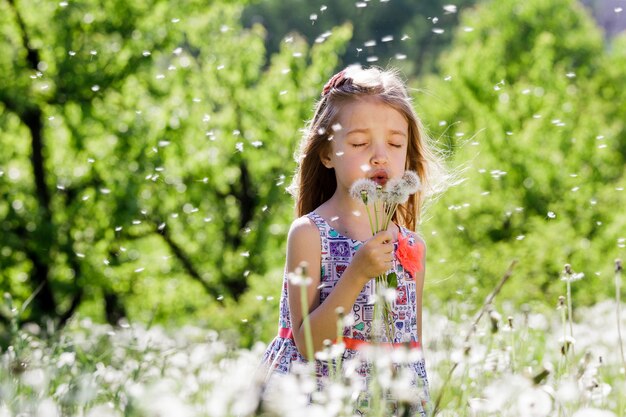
<point>363,190</point>
<point>412,182</point>
<point>396,191</point>
<point>534,402</point>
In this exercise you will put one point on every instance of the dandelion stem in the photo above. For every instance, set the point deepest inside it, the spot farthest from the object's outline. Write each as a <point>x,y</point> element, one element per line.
<point>369,218</point>
<point>565,347</point>
<point>340,323</point>
<point>569,310</point>
<point>308,339</point>
<point>376,215</point>
<point>618,310</point>
<point>486,304</point>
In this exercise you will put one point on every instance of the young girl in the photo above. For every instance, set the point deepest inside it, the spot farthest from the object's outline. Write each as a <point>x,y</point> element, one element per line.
<point>364,126</point>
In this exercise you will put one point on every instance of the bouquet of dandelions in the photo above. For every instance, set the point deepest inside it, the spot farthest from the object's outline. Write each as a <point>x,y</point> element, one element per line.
<point>385,200</point>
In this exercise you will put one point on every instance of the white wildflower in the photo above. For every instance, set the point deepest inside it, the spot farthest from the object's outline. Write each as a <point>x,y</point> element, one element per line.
<point>534,402</point>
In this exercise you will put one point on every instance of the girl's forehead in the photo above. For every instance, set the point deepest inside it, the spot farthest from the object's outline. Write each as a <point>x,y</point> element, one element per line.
<point>369,111</point>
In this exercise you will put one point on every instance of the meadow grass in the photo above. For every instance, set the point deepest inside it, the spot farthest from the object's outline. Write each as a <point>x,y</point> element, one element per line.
<point>506,362</point>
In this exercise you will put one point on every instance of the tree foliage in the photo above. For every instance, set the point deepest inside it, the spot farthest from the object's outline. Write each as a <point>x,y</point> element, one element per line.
<point>145,150</point>
<point>403,33</point>
<point>527,104</point>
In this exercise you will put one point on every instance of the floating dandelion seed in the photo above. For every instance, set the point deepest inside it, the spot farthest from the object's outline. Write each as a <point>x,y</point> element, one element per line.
<point>71,53</point>
<point>361,4</point>
<point>400,57</point>
<point>146,53</point>
<point>438,31</point>
<point>570,75</point>
<point>323,8</point>
<point>95,88</point>
<point>369,43</point>
<point>405,37</point>
<point>551,215</point>
<point>175,20</point>
<point>139,270</point>
<point>387,38</point>
<point>372,59</point>
<point>618,10</point>
<point>63,4</point>
<point>468,29</point>
<point>450,8</point>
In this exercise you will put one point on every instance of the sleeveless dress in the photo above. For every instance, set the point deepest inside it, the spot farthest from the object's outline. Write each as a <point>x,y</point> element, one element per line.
<point>336,254</point>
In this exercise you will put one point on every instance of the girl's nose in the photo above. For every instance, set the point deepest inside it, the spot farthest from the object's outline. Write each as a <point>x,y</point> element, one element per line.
<point>380,155</point>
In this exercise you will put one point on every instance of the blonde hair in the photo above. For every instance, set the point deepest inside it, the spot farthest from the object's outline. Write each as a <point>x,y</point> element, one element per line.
<point>313,183</point>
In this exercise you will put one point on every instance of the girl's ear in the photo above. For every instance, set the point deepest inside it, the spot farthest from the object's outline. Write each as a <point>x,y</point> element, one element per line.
<point>325,158</point>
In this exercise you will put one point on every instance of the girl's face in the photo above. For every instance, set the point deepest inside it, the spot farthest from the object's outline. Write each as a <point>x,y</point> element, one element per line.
<point>370,141</point>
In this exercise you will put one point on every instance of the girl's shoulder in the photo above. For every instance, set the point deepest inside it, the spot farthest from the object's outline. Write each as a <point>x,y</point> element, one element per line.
<point>303,228</point>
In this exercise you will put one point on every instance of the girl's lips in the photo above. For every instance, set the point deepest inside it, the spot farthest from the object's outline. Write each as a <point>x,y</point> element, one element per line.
<point>380,177</point>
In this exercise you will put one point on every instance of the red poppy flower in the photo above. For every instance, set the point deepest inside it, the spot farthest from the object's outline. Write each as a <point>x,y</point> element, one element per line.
<point>409,253</point>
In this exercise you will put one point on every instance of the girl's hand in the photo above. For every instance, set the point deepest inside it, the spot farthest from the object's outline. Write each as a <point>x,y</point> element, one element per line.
<point>374,257</point>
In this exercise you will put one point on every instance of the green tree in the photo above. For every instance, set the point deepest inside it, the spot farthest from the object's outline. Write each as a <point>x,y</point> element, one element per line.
<point>404,33</point>
<point>526,104</point>
<point>145,150</point>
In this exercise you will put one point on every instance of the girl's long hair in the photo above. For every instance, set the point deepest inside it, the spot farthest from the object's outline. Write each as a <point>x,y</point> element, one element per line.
<point>313,183</point>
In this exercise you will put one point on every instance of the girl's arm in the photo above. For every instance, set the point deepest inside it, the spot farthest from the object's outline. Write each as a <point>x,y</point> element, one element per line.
<point>303,245</point>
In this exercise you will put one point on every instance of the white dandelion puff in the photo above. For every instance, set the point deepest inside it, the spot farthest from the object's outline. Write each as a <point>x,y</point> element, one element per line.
<point>412,181</point>
<point>363,190</point>
<point>396,191</point>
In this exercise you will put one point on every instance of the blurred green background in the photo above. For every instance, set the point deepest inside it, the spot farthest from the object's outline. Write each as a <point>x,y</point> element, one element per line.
<point>146,147</point>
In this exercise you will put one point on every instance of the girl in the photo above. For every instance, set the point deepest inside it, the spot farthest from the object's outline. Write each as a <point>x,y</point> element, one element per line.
<point>364,126</point>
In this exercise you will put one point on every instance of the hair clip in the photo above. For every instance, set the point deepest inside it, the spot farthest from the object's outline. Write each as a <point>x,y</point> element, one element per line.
<point>336,81</point>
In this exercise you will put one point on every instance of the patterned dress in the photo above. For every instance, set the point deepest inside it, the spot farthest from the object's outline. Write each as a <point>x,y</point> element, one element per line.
<point>336,254</point>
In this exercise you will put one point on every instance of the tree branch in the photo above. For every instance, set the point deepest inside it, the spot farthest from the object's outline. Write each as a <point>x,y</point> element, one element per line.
<point>32,55</point>
<point>186,262</point>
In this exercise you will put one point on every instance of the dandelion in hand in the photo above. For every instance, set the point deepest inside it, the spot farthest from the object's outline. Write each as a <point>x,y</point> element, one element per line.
<point>385,200</point>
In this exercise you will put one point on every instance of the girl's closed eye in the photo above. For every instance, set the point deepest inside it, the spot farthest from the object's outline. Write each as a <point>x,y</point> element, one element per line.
<point>358,145</point>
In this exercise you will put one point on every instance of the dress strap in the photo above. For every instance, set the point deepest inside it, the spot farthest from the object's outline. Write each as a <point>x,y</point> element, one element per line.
<point>319,221</point>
